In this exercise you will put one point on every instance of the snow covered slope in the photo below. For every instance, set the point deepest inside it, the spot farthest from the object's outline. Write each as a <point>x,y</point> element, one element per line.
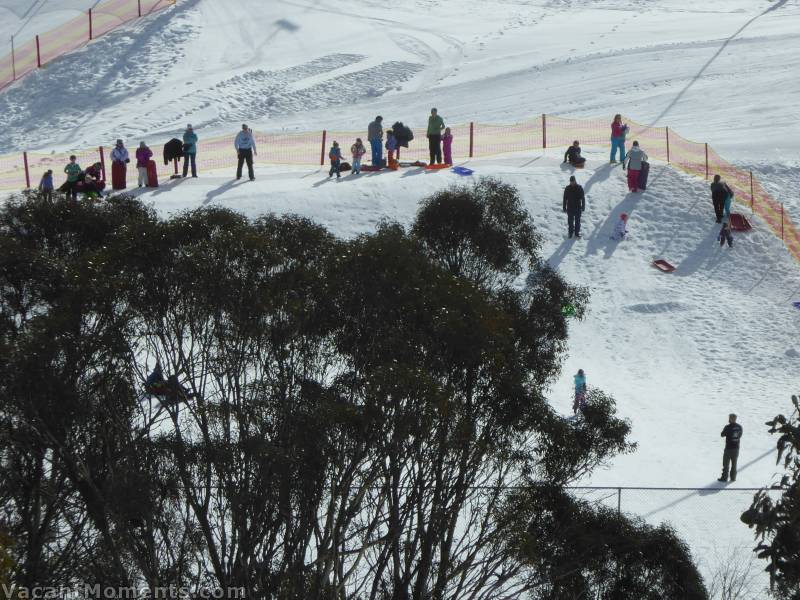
<point>679,351</point>
<point>718,71</point>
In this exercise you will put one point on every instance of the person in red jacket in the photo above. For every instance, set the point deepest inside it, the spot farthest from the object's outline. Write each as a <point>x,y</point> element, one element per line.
<point>618,132</point>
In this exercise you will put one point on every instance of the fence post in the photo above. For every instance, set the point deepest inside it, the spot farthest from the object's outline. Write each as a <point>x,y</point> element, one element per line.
<point>668,144</point>
<point>619,501</point>
<point>102,162</point>
<point>90,25</point>
<point>471,137</point>
<point>752,195</point>
<point>139,2</point>
<point>322,154</point>
<point>781,221</point>
<point>27,171</point>
<point>13,61</point>
<point>706,160</point>
<point>544,131</point>
<point>38,54</point>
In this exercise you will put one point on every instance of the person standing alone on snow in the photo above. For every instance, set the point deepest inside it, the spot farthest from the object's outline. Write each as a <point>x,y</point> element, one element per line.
<point>143,156</point>
<point>618,132</point>
<point>580,392</point>
<point>574,204</point>
<point>435,126</point>
<point>375,139</point>
<point>719,196</point>
<point>732,432</point>
<point>245,145</point>
<point>634,160</point>
<point>189,151</point>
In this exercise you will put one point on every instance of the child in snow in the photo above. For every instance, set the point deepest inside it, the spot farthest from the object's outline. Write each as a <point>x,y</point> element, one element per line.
<point>335,155</point>
<point>357,150</point>
<point>620,230</point>
<point>580,392</point>
<point>143,156</point>
<point>725,234</point>
<point>391,147</point>
<point>447,145</point>
<point>46,185</point>
<point>634,160</point>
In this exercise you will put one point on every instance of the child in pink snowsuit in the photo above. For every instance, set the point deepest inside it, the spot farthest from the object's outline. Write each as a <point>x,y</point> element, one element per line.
<point>447,143</point>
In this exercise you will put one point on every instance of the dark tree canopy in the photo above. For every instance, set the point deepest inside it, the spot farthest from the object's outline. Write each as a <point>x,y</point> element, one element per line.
<point>340,419</point>
<point>776,523</point>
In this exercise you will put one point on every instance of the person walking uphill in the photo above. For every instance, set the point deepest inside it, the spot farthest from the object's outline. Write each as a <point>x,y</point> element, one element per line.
<point>618,132</point>
<point>634,160</point>
<point>119,166</point>
<point>732,432</point>
<point>143,156</point>
<point>574,204</point>
<point>435,127</point>
<point>189,150</point>
<point>719,196</point>
<point>245,145</point>
<point>375,139</point>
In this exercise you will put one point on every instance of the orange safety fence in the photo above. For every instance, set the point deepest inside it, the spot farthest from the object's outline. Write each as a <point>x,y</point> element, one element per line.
<point>470,140</point>
<point>99,20</point>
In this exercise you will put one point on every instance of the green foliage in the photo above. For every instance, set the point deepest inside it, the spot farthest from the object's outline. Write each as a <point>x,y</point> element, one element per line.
<point>575,550</point>
<point>776,523</point>
<point>346,416</point>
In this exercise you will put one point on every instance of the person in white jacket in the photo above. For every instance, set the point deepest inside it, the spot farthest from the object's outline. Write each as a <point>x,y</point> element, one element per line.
<point>119,166</point>
<point>245,144</point>
<point>634,160</point>
<point>620,229</point>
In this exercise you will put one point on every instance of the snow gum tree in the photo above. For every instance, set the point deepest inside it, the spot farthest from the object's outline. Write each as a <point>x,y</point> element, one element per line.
<point>341,419</point>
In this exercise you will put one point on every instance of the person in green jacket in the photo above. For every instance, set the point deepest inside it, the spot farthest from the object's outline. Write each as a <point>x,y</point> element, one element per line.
<point>73,171</point>
<point>189,150</point>
<point>435,126</point>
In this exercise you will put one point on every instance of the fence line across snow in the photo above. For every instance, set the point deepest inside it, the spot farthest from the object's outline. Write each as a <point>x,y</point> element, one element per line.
<point>470,140</point>
<point>78,31</point>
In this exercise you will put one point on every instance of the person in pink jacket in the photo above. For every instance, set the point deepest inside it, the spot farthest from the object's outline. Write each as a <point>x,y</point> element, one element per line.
<point>447,146</point>
<point>618,132</point>
<point>143,156</point>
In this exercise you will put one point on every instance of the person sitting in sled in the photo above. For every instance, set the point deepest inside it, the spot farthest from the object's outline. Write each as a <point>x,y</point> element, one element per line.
<point>573,155</point>
<point>620,230</point>
<point>156,385</point>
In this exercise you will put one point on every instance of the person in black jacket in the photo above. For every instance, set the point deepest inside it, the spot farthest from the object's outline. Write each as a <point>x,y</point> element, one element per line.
<point>719,193</point>
<point>732,433</point>
<point>573,155</point>
<point>574,204</point>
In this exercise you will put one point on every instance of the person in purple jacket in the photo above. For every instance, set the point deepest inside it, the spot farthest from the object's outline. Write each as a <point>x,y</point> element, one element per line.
<point>143,156</point>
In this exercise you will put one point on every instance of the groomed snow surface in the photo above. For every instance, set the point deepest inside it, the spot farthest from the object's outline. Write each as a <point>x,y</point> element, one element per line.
<point>678,351</point>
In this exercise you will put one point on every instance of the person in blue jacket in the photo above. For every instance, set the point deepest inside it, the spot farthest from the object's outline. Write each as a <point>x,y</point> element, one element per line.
<point>580,391</point>
<point>189,150</point>
<point>335,155</point>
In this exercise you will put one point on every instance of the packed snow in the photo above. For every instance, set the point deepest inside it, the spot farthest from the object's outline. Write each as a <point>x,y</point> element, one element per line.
<point>678,351</point>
